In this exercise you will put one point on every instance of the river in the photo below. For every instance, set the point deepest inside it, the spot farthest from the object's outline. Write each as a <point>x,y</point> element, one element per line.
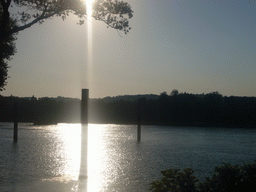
<point>47,158</point>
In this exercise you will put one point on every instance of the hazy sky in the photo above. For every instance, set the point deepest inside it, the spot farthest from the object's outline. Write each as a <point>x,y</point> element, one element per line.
<point>195,46</point>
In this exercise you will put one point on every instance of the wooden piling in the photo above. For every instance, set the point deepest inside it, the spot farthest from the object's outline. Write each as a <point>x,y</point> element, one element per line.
<point>15,120</point>
<point>84,106</point>
<point>84,133</point>
<point>139,130</point>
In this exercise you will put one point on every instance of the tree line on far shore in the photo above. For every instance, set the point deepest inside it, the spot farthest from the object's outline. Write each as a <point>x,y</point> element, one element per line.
<point>177,109</point>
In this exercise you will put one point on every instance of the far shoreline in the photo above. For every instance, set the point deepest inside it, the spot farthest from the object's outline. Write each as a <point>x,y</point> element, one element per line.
<point>194,125</point>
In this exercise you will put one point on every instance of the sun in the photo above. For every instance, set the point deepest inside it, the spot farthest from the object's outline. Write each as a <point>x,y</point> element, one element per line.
<point>89,8</point>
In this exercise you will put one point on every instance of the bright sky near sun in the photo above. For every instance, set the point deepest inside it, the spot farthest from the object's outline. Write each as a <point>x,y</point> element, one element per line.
<point>195,46</point>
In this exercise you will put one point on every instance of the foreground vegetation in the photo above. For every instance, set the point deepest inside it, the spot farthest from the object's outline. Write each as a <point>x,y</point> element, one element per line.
<point>227,178</point>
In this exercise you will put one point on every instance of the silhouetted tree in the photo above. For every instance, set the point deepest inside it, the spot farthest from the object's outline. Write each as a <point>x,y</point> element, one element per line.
<point>227,178</point>
<point>174,92</point>
<point>251,2</point>
<point>213,107</point>
<point>7,49</point>
<point>115,14</point>
<point>175,180</point>
<point>183,110</point>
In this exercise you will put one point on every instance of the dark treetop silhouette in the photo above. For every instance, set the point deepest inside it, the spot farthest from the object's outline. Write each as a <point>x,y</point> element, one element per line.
<point>183,109</point>
<point>25,13</point>
<point>7,49</point>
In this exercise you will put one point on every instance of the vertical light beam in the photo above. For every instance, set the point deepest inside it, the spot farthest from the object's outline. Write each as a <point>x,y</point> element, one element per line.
<point>89,39</point>
<point>85,96</point>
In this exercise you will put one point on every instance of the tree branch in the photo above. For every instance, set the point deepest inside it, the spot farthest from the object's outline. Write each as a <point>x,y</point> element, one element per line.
<point>38,19</point>
<point>5,18</point>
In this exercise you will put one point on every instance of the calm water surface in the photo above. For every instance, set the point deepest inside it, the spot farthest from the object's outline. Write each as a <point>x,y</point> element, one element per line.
<point>47,158</point>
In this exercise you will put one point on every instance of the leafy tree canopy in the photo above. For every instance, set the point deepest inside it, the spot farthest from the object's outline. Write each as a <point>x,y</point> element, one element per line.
<point>18,15</point>
<point>251,2</point>
<point>7,49</point>
<point>25,13</point>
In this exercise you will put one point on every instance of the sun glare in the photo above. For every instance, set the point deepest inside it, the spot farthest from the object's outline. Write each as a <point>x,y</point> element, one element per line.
<point>70,136</point>
<point>89,8</point>
<point>89,40</point>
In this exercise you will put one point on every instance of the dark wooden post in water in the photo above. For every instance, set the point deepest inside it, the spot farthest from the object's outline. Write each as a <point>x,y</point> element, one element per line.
<point>84,112</point>
<point>15,119</point>
<point>84,133</point>
<point>139,130</point>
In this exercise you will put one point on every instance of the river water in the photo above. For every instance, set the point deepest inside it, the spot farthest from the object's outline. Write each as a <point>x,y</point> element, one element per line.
<point>47,158</point>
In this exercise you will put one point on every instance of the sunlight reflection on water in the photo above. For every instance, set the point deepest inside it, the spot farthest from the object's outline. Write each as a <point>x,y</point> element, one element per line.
<point>69,144</point>
<point>70,137</point>
<point>47,158</point>
<point>95,161</point>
